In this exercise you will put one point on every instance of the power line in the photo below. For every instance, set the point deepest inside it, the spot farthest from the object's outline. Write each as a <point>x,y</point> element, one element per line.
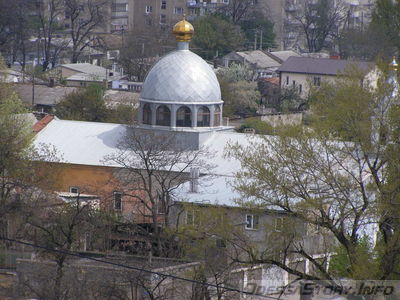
<point>134,268</point>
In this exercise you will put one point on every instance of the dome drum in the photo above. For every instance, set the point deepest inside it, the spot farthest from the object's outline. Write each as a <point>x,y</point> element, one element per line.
<point>180,115</point>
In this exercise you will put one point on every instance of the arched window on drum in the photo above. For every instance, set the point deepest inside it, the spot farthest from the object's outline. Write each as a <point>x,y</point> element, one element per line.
<point>184,117</point>
<point>203,117</point>
<point>217,116</point>
<point>163,116</point>
<point>146,114</point>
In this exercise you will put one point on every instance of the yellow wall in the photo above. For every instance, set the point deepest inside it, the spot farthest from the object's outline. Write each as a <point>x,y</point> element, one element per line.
<point>100,181</point>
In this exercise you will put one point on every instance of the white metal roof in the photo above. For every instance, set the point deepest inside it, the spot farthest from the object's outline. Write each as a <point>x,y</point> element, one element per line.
<point>89,143</point>
<point>78,142</point>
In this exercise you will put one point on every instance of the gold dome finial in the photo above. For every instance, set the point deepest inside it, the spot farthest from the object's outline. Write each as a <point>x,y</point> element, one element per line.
<point>393,65</point>
<point>183,30</point>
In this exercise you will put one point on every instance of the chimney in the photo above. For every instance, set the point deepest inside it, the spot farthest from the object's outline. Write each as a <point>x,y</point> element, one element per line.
<point>194,180</point>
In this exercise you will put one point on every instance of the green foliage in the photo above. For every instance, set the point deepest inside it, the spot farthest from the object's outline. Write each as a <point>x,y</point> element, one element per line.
<point>83,105</point>
<point>290,100</point>
<point>122,114</point>
<point>89,104</point>
<point>260,127</point>
<point>342,118</point>
<point>364,267</point>
<point>239,93</point>
<point>386,19</point>
<point>364,43</point>
<point>258,24</point>
<point>236,72</point>
<point>215,36</point>
<point>240,98</point>
<point>341,175</point>
<point>200,228</point>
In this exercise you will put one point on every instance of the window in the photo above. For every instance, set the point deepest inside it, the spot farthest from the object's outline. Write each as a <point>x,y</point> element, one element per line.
<point>163,4</point>
<point>162,203</point>
<point>184,117</point>
<point>203,117</point>
<point>317,81</point>
<point>178,11</point>
<point>278,224</point>
<point>117,199</point>
<point>252,222</point>
<point>119,7</point>
<point>163,19</point>
<point>287,80</point>
<point>192,217</point>
<point>146,114</point>
<point>163,116</point>
<point>220,243</point>
<point>74,190</point>
<point>149,9</point>
<point>217,116</point>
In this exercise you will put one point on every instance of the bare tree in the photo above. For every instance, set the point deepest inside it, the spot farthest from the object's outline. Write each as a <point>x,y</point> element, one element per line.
<point>61,226</point>
<point>320,21</point>
<point>238,10</point>
<point>48,25</point>
<point>140,50</point>
<point>85,17</point>
<point>153,167</point>
<point>5,21</point>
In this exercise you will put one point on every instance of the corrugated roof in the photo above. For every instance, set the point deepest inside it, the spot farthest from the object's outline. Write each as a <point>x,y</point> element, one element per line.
<point>323,66</point>
<point>79,142</point>
<point>284,55</point>
<point>92,70</point>
<point>259,58</point>
<point>43,94</point>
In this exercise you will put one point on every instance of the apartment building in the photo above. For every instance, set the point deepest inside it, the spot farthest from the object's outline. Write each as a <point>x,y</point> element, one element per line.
<point>165,13</point>
<point>120,12</point>
<point>284,14</point>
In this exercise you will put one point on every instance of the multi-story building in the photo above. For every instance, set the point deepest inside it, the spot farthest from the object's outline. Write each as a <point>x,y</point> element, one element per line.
<point>120,11</point>
<point>285,14</point>
<point>164,13</point>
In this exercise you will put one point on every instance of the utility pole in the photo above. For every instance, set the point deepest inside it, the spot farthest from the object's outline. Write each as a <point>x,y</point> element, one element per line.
<point>255,39</point>
<point>33,88</point>
<point>261,39</point>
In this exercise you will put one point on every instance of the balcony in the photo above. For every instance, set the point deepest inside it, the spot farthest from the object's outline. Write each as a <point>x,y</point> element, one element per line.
<point>291,8</point>
<point>196,4</point>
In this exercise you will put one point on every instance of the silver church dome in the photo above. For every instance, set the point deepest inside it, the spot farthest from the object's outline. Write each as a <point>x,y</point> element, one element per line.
<point>181,77</point>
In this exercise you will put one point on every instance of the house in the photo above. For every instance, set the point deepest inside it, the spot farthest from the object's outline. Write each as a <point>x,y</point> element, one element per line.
<point>263,63</point>
<point>126,85</point>
<point>83,74</point>
<point>303,73</point>
<point>10,75</point>
<point>42,97</point>
<point>285,54</point>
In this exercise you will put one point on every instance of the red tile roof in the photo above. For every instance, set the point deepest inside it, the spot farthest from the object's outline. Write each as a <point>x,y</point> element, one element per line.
<point>38,126</point>
<point>273,80</point>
